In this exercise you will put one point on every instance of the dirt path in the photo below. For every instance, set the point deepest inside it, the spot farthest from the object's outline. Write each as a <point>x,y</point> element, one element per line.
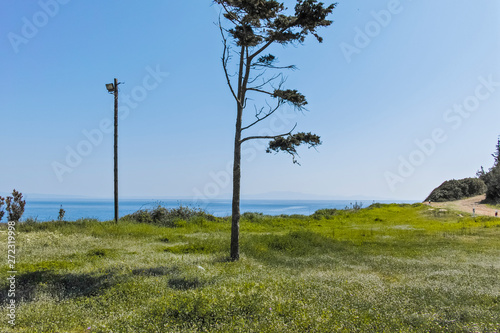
<point>467,205</point>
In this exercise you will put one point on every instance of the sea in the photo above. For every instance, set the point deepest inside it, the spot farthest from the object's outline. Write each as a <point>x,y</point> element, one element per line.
<point>103,209</point>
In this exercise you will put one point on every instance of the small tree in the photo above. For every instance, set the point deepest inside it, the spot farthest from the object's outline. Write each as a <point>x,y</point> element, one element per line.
<point>492,180</point>
<point>496,154</point>
<point>481,173</point>
<point>255,25</point>
<point>61,214</point>
<point>2,203</point>
<point>15,206</point>
<point>492,177</point>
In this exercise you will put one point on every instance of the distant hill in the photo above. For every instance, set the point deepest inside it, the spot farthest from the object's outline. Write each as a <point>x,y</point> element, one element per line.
<point>286,195</point>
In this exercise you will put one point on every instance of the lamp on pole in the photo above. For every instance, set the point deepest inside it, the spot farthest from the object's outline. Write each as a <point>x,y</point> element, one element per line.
<point>113,89</point>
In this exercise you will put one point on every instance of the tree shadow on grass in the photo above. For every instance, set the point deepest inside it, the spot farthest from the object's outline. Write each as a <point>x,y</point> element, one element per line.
<point>185,283</point>
<point>30,286</point>
<point>156,271</point>
<point>223,259</point>
<point>60,286</point>
<point>294,248</point>
<point>175,282</point>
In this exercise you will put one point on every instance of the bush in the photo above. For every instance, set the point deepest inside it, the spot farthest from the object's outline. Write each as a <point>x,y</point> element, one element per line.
<point>175,217</point>
<point>324,213</point>
<point>376,205</point>
<point>15,206</point>
<point>356,206</point>
<point>251,216</point>
<point>492,180</point>
<point>473,186</point>
<point>457,189</point>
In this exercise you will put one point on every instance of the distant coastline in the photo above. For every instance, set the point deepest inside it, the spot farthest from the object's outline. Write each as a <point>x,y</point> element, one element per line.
<point>46,209</point>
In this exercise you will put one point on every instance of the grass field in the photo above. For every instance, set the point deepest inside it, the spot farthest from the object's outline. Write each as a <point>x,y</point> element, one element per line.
<point>387,268</point>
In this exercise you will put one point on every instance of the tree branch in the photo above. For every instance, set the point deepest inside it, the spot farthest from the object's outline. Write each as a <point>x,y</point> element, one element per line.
<point>267,115</point>
<point>225,59</point>
<point>265,46</point>
<point>251,81</point>
<point>261,49</point>
<point>229,12</point>
<point>240,76</point>
<point>267,136</point>
<point>261,91</point>
<point>258,113</point>
<point>248,66</point>
<point>274,77</point>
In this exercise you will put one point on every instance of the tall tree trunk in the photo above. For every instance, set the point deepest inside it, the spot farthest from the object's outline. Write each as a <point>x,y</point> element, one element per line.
<point>235,221</point>
<point>235,216</point>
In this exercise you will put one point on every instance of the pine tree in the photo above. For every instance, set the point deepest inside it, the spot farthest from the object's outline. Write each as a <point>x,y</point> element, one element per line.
<point>255,25</point>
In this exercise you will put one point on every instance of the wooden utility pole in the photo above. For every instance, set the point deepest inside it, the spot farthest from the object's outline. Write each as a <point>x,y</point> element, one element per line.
<point>116,150</point>
<point>113,89</point>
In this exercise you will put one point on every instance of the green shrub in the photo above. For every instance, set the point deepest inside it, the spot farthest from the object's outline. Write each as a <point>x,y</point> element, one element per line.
<point>173,218</point>
<point>324,213</point>
<point>15,206</point>
<point>295,216</point>
<point>251,216</point>
<point>457,189</point>
<point>376,205</point>
<point>30,222</point>
<point>356,206</point>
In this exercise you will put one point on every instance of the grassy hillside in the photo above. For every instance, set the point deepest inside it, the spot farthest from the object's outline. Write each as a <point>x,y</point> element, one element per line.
<point>382,269</point>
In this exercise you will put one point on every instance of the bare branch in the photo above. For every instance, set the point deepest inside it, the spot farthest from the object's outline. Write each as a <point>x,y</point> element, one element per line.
<point>257,77</point>
<point>292,67</point>
<point>267,115</point>
<point>256,65</point>
<point>225,59</point>
<point>257,88</point>
<point>258,113</point>
<point>245,103</point>
<point>274,77</point>
<point>268,137</point>
<point>261,91</point>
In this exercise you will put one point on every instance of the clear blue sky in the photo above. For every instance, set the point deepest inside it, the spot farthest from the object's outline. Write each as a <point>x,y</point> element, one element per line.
<point>371,96</point>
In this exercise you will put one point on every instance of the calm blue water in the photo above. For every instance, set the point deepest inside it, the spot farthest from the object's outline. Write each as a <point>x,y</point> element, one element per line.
<point>103,210</point>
